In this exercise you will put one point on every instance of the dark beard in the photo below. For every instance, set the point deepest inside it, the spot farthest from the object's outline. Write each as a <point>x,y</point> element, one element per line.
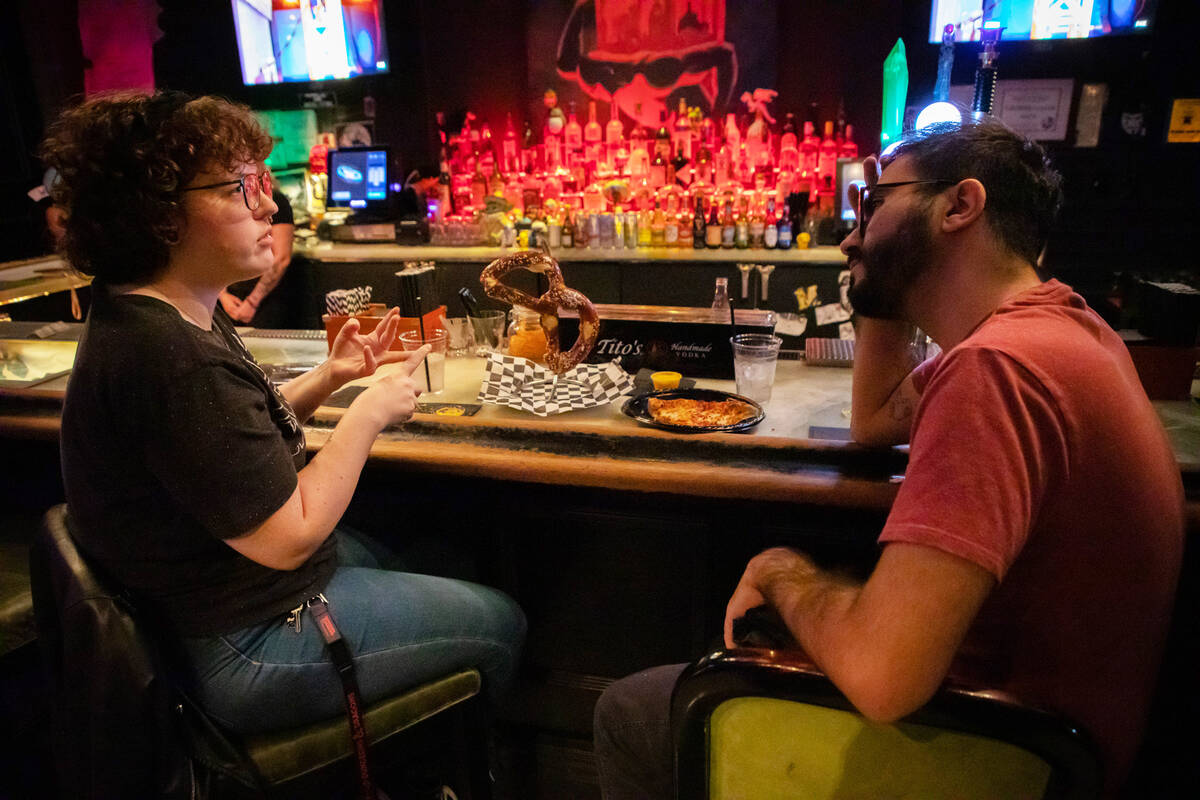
<point>890,268</point>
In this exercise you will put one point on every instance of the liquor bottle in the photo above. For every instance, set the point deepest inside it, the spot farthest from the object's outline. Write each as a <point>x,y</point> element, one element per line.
<point>443,187</point>
<point>552,132</point>
<point>789,146</point>
<point>687,230</point>
<point>662,138</point>
<point>613,136</point>
<point>682,135</point>
<point>809,155</point>
<point>728,229</point>
<point>572,136</point>
<point>733,136</point>
<point>487,152</point>
<point>681,171</point>
<point>593,135</point>
<point>785,232</point>
<point>698,226</point>
<point>639,156</point>
<point>582,229</point>
<point>658,169</point>
<point>742,173</point>
<point>643,237</point>
<point>631,229</point>
<point>479,186</point>
<point>670,230</point>
<point>496,181</point>
<point>658,227</point>
<point>827,160</point>
<point>712,231</point>
<point>848,149</point>
<point>702,171</point>
<point>758,228</point>
<point>508,151</point>
<point>771,232</point>
<point>758,142</point>
<point>568,229</point>
<point>529,159</point>
<point>512,191</point>
<point>720,302</point>
<point>741,230</point>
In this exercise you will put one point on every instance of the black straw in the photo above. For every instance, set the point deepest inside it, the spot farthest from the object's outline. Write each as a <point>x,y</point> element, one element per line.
<point>469,302</point>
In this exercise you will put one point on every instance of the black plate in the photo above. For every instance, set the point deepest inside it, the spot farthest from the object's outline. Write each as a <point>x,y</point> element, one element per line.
<point>635,407</point>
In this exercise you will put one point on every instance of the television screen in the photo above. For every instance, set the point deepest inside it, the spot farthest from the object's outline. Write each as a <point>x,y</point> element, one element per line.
<point>1023,20</point>
<point>358,177</point>
<point>309,40</point>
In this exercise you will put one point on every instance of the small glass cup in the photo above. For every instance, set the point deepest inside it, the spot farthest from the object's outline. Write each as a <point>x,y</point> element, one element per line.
<point>461,340</point>
<point>488,327</point>
<point>434,367</point>
<point>754,358</point>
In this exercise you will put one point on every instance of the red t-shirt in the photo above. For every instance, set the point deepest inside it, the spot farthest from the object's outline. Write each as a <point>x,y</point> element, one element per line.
<point>1036,455</point>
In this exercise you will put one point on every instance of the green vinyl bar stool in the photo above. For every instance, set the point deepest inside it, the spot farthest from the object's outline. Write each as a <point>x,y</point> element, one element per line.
<point>123,728</point>
<point>751,723</point>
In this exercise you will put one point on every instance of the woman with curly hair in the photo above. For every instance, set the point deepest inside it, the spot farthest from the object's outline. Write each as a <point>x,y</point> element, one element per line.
<point>185,469</point>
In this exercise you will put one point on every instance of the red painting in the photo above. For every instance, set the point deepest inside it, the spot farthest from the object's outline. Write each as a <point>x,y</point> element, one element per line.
<point>646,54</point>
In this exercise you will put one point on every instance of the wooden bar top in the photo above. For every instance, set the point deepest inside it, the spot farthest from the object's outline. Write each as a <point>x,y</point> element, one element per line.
<point>798,454</point>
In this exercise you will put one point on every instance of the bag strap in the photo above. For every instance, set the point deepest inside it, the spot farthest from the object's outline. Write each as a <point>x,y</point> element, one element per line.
<point>342,659</point>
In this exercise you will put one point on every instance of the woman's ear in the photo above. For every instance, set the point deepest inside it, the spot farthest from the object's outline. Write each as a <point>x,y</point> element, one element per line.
<point>967,201</point>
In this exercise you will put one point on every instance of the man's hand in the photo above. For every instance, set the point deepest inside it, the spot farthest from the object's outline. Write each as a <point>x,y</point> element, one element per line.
<point>763,574</point>
<point>354,355</point>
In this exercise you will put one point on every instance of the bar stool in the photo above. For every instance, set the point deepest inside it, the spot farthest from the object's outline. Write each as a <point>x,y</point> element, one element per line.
<point>752,723</point>
<point>123,729</point>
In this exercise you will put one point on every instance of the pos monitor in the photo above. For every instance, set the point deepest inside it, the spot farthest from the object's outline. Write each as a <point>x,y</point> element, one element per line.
<point>358,180</point>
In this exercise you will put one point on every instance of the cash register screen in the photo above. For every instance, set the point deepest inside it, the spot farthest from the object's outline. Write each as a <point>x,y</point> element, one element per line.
<point>358,177</point>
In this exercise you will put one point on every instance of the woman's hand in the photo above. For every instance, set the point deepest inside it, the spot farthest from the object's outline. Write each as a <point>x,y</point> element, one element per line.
<point>354,355</point>
<point>393,398</point>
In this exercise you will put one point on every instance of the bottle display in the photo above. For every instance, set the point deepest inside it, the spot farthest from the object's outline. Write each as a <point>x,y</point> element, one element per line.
<point>691,181</point>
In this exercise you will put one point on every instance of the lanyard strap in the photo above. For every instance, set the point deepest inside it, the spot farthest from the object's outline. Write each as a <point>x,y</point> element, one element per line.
<point>345,667</point>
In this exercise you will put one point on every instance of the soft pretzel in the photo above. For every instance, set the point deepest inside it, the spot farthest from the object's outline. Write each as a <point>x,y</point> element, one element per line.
<point>557,296</point>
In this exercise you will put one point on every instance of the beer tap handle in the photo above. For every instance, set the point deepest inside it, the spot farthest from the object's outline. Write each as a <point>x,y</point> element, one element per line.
<point>764,274</point>
<point>745,270</point>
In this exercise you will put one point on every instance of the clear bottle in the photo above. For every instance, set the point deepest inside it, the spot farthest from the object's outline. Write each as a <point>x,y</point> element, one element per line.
<point>526,338</point>
<point>720,301</point>
<point>593,150</point>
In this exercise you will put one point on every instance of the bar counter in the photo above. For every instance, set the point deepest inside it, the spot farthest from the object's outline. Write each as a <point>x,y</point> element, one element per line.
<point>800,453</point>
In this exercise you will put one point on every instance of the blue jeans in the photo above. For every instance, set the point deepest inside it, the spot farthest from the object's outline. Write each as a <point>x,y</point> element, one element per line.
<point>403,629</point>
<point>632,741</point>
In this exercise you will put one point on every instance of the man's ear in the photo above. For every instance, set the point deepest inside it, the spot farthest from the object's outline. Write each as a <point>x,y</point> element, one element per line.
<point>967,201</point>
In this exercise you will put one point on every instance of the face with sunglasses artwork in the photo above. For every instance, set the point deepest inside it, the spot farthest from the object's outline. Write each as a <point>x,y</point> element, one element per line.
<point>227,223</point>
<point>893,246</point>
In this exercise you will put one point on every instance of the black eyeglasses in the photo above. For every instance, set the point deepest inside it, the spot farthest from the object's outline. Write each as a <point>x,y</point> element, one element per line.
<point>254,188</point>
<point>869,200</point>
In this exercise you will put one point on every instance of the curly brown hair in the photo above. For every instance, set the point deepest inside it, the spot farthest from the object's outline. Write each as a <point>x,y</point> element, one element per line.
<point>123,159</point>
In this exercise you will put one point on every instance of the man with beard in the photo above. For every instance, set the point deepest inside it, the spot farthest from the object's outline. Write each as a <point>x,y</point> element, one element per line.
<point>1035,542</point>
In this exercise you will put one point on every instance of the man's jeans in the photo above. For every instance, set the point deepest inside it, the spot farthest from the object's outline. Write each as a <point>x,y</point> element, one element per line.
<point>633,736</point>
<point>403,629</point>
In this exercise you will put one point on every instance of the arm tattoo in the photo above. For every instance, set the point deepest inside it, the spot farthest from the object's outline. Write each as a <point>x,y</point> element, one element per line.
<point>902,409</point>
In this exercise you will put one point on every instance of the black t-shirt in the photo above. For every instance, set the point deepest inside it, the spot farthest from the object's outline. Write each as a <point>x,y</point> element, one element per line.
<point>173,439</point>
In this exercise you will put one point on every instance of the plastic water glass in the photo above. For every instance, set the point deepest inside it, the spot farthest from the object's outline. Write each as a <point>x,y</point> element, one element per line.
<point>754,358</point>
<point>435,361</point>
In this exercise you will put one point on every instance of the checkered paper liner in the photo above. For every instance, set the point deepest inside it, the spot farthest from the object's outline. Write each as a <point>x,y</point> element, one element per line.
<point>522,384</point>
